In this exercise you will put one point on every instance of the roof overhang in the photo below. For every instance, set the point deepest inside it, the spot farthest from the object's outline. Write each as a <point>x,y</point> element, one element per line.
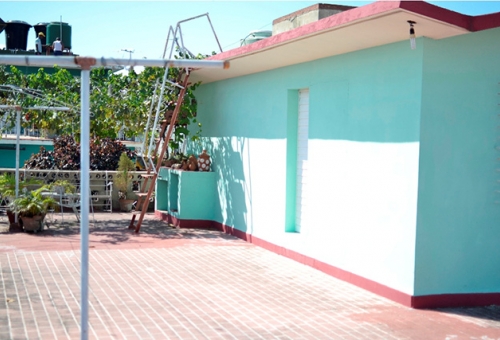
<point>376,24</point>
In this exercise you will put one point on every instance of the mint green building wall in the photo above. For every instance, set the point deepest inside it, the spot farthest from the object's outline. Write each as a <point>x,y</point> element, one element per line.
<point>8,156</point>
<point>364,119</point>
<point>187,195</point>
<point>458,230</point>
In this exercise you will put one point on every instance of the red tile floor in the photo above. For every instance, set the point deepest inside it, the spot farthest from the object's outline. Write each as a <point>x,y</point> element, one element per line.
<point>196,284</point>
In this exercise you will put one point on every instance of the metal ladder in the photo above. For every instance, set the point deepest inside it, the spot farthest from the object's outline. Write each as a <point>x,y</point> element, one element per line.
<point>174,39</point>
<point>143,197</point>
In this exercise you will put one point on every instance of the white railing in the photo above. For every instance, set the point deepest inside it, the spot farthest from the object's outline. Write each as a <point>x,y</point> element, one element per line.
<point>104,196</point>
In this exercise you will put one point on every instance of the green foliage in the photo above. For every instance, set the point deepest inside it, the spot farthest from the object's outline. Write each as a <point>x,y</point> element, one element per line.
<point>123,180</point>
<point>117,102</point>
<point>60,86</point>
<point>8,184</point>
<point>32,203</point>
<point>67,186</point>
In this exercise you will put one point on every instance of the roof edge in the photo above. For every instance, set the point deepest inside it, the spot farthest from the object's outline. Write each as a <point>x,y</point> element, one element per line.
<point>339,19</point>
<point>486,21</point>
<point>377,8</point>
<point>438,13</point>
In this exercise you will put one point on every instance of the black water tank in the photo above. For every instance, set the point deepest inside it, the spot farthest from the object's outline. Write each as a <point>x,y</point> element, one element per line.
<point>2,25</point>
<point>41,27</point>
<point>16,35</point>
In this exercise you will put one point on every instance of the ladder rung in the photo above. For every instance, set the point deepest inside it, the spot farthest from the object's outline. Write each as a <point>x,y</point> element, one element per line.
<point>141,194</point>
<point>174,84</point>
<point>147,175</point>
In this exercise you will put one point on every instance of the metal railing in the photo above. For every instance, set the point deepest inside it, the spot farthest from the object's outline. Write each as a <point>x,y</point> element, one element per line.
<point>102,194</point>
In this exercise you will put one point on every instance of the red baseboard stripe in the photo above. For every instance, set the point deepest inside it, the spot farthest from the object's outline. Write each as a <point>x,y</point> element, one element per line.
<point>425,301</point>
<point>182,223</point>
<point>341,274</point>
<point>456,300</point>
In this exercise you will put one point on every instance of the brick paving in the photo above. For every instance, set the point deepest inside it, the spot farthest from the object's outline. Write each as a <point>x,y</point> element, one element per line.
<point>196,284</point>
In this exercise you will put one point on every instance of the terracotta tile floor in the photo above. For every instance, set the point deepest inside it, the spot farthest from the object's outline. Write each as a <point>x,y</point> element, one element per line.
<point>196,284</point>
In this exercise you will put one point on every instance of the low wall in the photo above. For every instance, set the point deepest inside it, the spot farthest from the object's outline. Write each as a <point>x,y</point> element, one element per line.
<point>104,196</point>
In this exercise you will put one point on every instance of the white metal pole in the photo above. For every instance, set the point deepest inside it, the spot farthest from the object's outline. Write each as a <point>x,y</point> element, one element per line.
<point>18,132</point>
<point>45,108</point>
<point>84,199</point>
<point>72,62</point>
<point>213,30</point>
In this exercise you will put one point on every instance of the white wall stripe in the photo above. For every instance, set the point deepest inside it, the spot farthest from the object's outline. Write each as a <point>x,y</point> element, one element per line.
<point>302,157</point>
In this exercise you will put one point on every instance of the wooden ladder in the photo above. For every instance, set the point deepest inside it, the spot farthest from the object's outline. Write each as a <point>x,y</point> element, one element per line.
<point>152,174</point>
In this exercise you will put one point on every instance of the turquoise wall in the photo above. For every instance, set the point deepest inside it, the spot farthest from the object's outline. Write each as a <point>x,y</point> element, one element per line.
<point>8,156</point>
<point>458,232</point>
<point>363,158</point>
<point>186,195</point>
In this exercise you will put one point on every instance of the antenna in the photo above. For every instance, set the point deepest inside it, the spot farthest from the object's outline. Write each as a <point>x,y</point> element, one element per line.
<point>130,51</point>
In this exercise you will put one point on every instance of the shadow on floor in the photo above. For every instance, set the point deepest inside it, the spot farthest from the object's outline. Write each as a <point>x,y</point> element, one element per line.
<point>112,228</point>
<point>487,313</point>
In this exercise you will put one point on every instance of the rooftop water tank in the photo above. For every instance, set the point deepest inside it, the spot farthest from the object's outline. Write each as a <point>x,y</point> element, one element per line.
<point>54,30</point>
<point>41,27</point>
<point>16,35</point>
<point>255,36</point>
<point>2,25</point>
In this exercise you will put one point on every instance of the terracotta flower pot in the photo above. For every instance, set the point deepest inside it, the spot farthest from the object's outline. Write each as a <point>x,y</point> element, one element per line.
<point>34,223</point>
<point>11,216</point>
<point>126,205</point>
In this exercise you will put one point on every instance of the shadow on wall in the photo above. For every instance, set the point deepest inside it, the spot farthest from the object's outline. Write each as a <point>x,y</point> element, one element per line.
<point>233,189</point>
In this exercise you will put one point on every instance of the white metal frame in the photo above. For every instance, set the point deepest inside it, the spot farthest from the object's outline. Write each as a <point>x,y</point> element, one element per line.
<point>18,110</point>
<point>85,64</point>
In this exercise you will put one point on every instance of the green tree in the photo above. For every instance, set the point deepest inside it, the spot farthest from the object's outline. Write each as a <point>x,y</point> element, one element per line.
<point>117,102</point>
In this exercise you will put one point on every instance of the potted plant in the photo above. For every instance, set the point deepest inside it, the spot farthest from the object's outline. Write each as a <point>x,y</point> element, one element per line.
<point>32,207</point>
<point>123,182</point>
<point>8,190</point>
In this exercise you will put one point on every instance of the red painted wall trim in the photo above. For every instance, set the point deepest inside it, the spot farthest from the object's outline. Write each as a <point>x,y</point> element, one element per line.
<point>424,301</point>
<point>438,13</point>
<point>341,274</point>
<point>456,300</point>
<point>339,19</point>
<point>484,22</point>
<point>470,23</point>
<point>182,223</point>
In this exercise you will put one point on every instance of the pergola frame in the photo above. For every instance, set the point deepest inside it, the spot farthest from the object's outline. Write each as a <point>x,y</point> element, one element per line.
<point>85,64</point>
<point>18,110</point>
